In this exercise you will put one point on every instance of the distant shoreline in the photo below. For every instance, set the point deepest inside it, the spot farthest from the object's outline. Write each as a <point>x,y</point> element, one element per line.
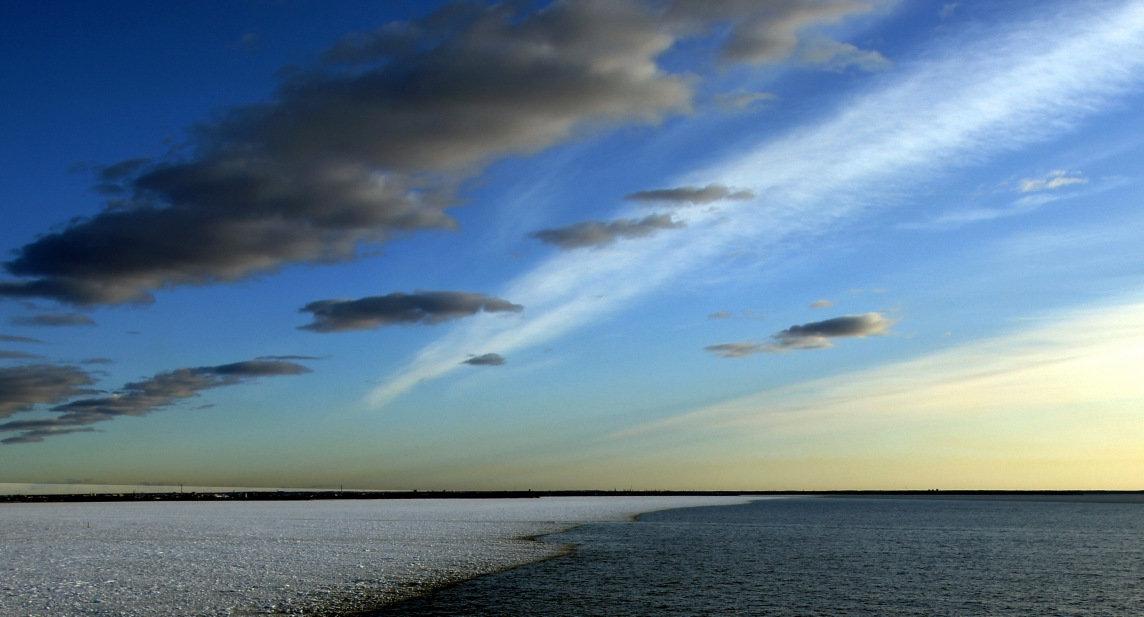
<point>307,495</point>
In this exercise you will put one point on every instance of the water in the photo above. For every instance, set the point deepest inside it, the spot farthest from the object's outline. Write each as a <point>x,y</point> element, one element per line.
<point>827,557</point>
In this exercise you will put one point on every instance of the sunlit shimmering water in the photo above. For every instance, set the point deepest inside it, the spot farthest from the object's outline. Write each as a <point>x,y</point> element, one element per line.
<point>827,556</point>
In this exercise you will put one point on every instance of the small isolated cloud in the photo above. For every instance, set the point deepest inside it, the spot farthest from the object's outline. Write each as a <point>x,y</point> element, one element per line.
<point>598,233</point>
<point>837,56</point>
<point>720,315</point>
<point>737,350</point>
<point>741,99</point>
<point>54,320</point>
<point>425,307</point>
<point>1054,180</point>
<point>822,303</point>
<point>691,195</point>
<point>766,32</point>
<point>51,384</point>
<point>488,359</point>
<point>814,335</point>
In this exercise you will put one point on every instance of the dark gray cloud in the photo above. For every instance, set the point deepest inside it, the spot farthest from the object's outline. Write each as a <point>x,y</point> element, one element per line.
<point>134,399</point>
<point>814,335</point>
<point>691,194</point>
<point>426,307</point>
<point>350,154</point>
<point>600,233</point>
<point>39,434</point>
<point>488,359</point>
<point>24,387</point>
<point>8,338</point>
<point>54,320</point>
<point>377,140</point>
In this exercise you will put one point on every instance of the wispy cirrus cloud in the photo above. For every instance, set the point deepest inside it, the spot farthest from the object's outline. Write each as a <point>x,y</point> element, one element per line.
<point>1000,91</point>
<point>1054,180</point>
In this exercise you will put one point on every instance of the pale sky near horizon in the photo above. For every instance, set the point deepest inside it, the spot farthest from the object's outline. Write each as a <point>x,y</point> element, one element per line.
<point>801,244</point>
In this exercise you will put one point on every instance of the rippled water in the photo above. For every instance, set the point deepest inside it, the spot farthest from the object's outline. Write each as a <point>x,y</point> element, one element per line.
<point>818,556</point>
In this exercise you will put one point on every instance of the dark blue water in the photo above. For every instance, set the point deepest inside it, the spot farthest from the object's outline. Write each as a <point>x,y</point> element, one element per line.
<point>824,556</point>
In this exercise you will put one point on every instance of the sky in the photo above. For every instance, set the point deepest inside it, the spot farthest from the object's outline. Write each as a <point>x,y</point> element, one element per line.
<point>582,244</point>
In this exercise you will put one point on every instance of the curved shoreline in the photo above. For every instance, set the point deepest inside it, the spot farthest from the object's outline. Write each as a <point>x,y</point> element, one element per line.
<point>338,557</point>
<point>563,549</point>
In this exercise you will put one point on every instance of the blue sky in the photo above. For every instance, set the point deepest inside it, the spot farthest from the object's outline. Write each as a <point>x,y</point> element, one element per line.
<point>688,245</point>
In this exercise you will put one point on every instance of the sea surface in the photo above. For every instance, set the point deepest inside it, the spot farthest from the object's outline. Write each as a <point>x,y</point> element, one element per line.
<point>827,557</point>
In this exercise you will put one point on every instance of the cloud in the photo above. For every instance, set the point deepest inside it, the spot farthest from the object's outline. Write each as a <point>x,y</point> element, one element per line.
<point>737,350</point>
<point>720,315</point>
<point>375,141</point>
<point>24,387</point>
<point>599,233</point>
<point>352,154</point>
<point>1036,193</point>
<point>54,319</point>
<point>1055,180</point>
<point>16,355</point>
<point>425,307</point>
<point>8,338</point>
<point>38,434</point>
<point>814,335</point>
<point>741,99</point>
<point>48,384</point>
<point>691,194</point>
<point>840,56</point>
<point>766,32</point>
<point>965,101</point>
<point>1084,359</point>
<point>822,303</point>
<point>488,359</point>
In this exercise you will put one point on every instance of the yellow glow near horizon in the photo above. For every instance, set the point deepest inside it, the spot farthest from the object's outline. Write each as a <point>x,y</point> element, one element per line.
<point>1059,405</point>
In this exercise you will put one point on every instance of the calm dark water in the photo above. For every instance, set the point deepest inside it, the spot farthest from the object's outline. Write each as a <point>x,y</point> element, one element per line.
<point>819,556</point>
